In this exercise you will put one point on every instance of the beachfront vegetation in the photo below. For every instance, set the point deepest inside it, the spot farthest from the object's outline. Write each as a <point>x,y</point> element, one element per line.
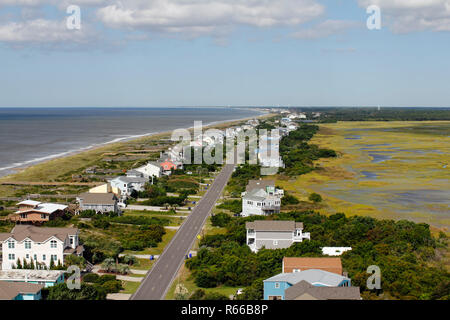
<point>298,155</point>
<point>405,251</point>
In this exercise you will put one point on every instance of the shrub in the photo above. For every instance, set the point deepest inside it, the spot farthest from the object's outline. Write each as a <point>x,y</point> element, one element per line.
<point>220,220</point>
<point>315,197</point>
<point>91,277</point>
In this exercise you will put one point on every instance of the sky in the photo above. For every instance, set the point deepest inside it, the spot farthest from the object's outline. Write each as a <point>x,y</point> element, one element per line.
<point>155,53</point>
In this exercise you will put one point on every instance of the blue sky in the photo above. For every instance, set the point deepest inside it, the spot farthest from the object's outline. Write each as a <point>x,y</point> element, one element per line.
<point>224,52</point>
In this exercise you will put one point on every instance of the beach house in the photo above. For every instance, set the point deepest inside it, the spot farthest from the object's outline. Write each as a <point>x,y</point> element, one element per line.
<point>151,169</point>
<point>261,198</point>
<point>20,291</point>
<point>42,245</point>
<point>36,212</point>
<point>274,234</point>
<point>99,202</point>
<point>278,287</point>
<point>128,184</point>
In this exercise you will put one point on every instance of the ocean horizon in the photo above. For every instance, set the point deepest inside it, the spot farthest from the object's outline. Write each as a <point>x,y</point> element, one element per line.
<point>35,134</point>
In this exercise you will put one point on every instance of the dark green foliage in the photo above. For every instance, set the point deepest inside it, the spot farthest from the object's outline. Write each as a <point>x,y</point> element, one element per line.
<point>297,154</point>
<point>144,237</point>
<point>241,176</point>
<point>234,206</point>
<point>220,220</point>
<point>91,277</point>
<point>315,197</point>
<point>402,249</point>
<point>86,292</point>
<point>289,199</point>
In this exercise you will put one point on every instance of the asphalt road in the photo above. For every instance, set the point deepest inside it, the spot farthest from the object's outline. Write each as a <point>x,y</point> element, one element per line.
<point>158,280</point>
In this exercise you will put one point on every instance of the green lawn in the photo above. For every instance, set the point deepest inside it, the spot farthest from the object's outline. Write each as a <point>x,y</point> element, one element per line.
<point>129,286</point>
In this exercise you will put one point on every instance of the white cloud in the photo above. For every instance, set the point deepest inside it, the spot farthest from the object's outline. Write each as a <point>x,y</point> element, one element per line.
<point>325,29</point>
<point>413,15</point>
<point>197,17</point>
<point>42,31</point>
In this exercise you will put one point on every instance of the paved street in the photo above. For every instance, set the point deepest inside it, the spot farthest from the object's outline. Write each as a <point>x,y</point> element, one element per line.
<point>159,279</point>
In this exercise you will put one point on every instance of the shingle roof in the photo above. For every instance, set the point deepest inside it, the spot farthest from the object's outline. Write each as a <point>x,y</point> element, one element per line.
<point>10,290</point>
<point>259,184</point>
<point>327,264</point>
<point>312,276</point>
<point>98,198</point>
<point>37,234</point>
<point>274,225</point>
<point>322,293</point>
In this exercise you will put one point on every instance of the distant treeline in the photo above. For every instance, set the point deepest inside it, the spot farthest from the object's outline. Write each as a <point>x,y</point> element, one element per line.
<point>332,114</point>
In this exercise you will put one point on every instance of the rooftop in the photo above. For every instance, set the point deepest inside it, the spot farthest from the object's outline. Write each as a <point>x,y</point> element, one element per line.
<point>41,207</point>
<point>259,184</point>
<point>10,290</point>
<point>38,234</point>
<point>327,264</point>
<point>98,198</point>
<point>312,276</point>
<point>321,293</point>
<point>30,275</point>
<point>274,225</point>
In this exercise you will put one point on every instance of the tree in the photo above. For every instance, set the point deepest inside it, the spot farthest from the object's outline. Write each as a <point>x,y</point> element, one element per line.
<point>315,197</point>
<point>52,264</point>
<point>31,265</point>
<point>108,264</point>
<point>18,264</point>
<point>86,292</point>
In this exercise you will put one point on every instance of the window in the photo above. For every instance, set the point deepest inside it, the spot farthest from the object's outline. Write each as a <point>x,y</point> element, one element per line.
<point>27,256</point>
<point>277,285</point>
<point>53,244</point>
<point>71,240</point>
<point>42,216</point>
<point>27,244</point>
<point>35,257</point>
<point>296,270</point>
<point>11,244</point>
<point>11,256</point>
<point>43,257</point>
<point>54,257</point>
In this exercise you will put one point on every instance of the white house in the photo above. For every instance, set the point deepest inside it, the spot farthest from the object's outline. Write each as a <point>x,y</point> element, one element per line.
<point>151,169</point>
<point>273,234</point>
<point>126,185</point>
<point>335,251</point>
<point>40,244</point>
<point>261,198</point>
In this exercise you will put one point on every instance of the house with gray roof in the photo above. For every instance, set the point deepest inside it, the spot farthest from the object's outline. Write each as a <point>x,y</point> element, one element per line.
<point>99,202</point>
<point>283,285</point>
<point>274,234</point>
<point>127,184</point>
<point>261,198</point>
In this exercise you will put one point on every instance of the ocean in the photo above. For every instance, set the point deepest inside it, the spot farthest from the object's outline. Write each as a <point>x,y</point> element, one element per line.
<point>32,135</point>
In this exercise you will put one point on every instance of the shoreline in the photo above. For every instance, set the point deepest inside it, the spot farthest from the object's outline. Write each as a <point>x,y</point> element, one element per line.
<point>115,142</point>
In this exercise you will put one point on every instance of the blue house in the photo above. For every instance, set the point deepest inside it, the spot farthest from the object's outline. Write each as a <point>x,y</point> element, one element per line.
<point>20,291</point>
<point>275,287</point>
